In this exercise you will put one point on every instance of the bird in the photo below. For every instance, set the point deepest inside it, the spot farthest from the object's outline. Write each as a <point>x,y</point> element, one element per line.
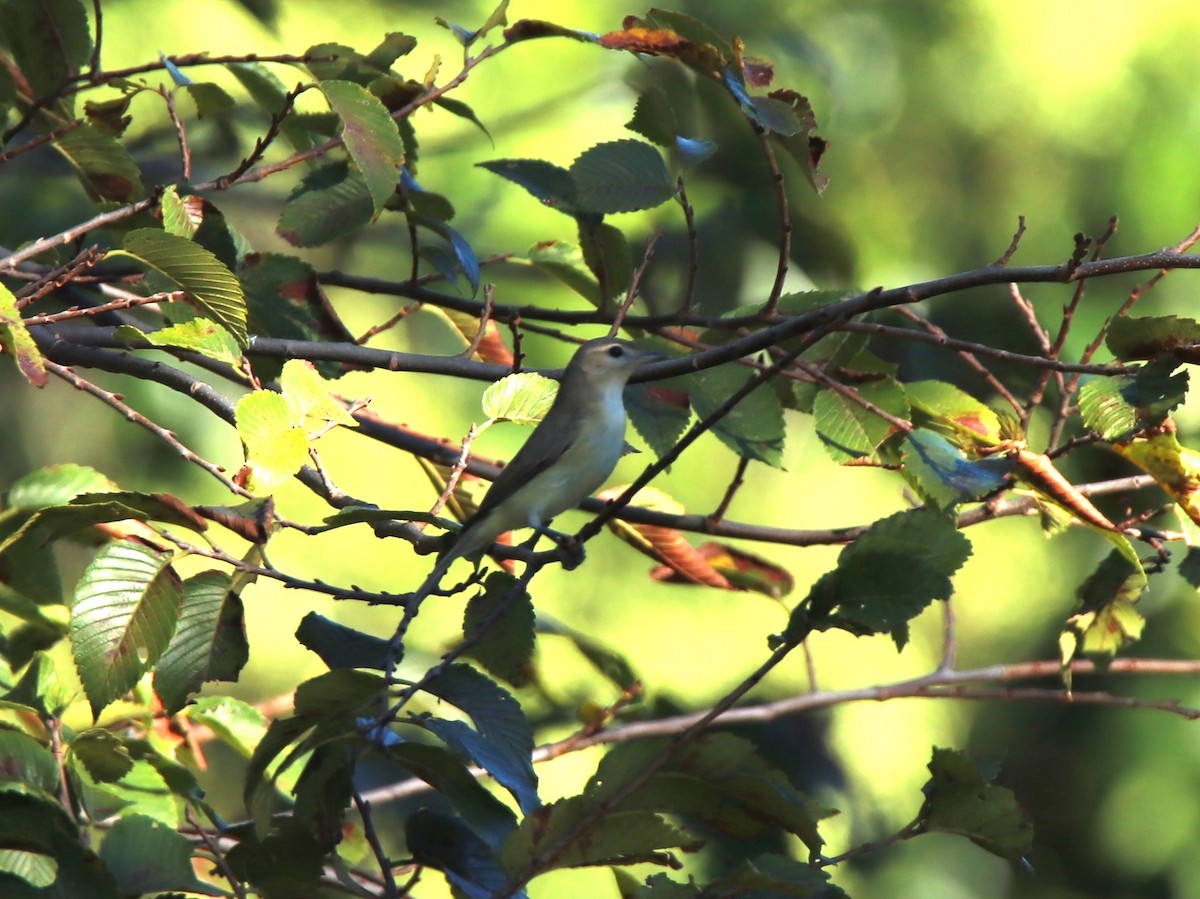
<point>568,456</point>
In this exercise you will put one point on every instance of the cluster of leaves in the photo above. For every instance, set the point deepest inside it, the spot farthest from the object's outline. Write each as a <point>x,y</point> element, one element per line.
<point>144,639</point>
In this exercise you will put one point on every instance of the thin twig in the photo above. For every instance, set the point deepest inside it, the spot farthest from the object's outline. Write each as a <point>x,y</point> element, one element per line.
<point>693,246</point>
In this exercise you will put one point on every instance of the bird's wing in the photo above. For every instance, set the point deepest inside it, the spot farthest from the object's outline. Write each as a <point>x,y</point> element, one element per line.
<point>543,448</point>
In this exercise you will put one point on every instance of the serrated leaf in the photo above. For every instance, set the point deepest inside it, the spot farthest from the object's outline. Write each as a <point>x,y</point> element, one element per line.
<point>616,838</point>
<point>340,646</point>
<point>41,826</point>
<point>329,203</point>
<point>502,740</point>
<point>268,93</point>
<point>653,117</point>
<point>210,99</point>
<point>275,447</point>
<point>209,643</point>
<point>953,413</point>
<point>307,395</point>
<point>524,398</point>
<point>124,613</point>
<point>505,648</point>
<point>370,136</point>
<point>565,262</point>
<point>755,427</point>
<point>196,271</point>
<point>50,41</point>
<point>960,799</point>
<point>1151,336</point>
<point>25,761</point>
<point>1174,467</point>
<point>236,723</point>
<point>199,335</point>
<point>1117,406</point>
<point>606,253</point>
<point>850,431</point>
<point>104,167</point>
<point>146,856</point>
<point>56,485</point>
<point>885,578</point>
<point>103,754</point>
<point>1105,620</point>
<point>621,176</point>
<point>549,183</point>
<point>16,341</point>
<point>284,299</point>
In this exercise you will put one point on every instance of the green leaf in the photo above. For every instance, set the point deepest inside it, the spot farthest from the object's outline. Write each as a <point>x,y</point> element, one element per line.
<point>201,275</point>
<point>103,755</point>
<point>268,92</point>
<point>606,253</point>
<point>16,341</point>
<point>340,646</point>
<point>210,99</point>
<point>307,396</point>
<point>653,118</point>
<point>565,262</point>
<point>960,799</point>
<point>621,176</point>
<point>50,42</point>
<point>524,398</point>
<point>394,45</point>
<point>755,427</point>
<point>610,663</point>
<point>549,183</point>
<point>209,643</point>
<point>885,578</point>
<point>502,741</point>
<point>849,431</point>
<point>953,413</point>
<point>41,827</point>
<point>1118,406</point>
<point>236,723</point>
<point>719,779</point>
<point>371,137</point>
<point>1105,619</point>
<point>105,168</point>
<point>1151,336</point>
<point>505,649</point>
<point>145,855</point>
<point>283,299</point>
<point>275,447</point>
<point>56,485</point>
<point>331,202</point>
<point>616,838</point>
<point>27,763</point>
<point>40,688</point>
<point>199,335</point>
<point>124,613</point>
<point>775,877</point>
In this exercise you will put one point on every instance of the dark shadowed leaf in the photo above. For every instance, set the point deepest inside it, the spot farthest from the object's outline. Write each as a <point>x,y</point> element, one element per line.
<point>755,427</point>
<point>621,176</point>
<point>451,847</point>
<point>329,203</point>
<point>50,41</point>
<point>504,646</point>
<point>209,643</point>
<point>549,183</point>
<point>960,799</point>
<point>104,167</point>
<point>340,646</point>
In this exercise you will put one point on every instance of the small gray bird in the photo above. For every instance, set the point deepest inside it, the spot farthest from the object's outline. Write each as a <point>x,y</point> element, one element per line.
<point>568,456</point>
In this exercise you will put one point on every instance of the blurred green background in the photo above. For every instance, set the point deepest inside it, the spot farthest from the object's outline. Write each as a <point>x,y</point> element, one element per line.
<point>947,121</point>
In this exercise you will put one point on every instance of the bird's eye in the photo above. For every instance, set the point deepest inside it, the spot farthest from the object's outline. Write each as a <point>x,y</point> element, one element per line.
<point>616,352</point>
